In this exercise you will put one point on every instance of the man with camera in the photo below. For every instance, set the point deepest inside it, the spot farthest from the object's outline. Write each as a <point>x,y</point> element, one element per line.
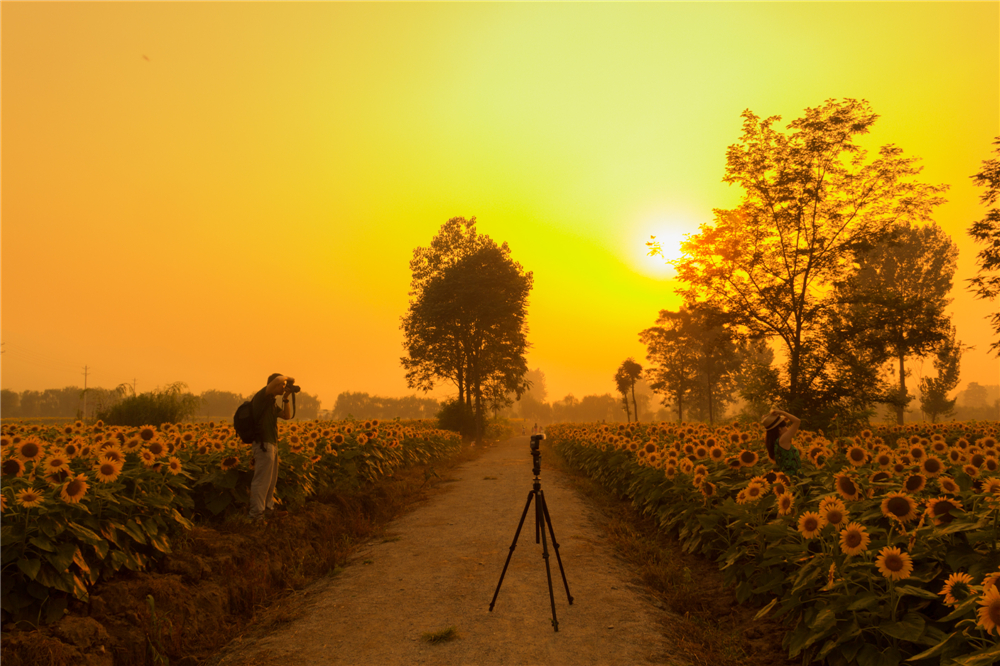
<point>265,448</point>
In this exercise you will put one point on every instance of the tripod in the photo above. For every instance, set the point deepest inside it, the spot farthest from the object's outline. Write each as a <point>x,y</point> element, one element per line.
<point>542,519</point>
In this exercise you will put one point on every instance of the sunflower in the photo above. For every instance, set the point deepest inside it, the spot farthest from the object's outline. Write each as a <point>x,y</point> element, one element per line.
<point>894,564</point>
<point>147,458</point>
<point>991,464</point>
<point>914,483</point>
<point>956,588</point>
<point>708,489</point>
<point>156,448</point>
<point>779,488</point>
<point>989,611</point>
<point>700,470</point>
<point>835,514</point>
<point>754,492</point>
<point>991,486</point>
<point>649,448</point>
<point>917,453</point>
<point>174,465</point>
<point>810,523</point>
<point>733,462</point>
<point>132,443</point>
<point>686,466</point>
<point>747,458</point>
<point>948,485</point>
<point>971,470</point>
<point>74,489</point>
<point>899,506</point>
<point>30,449</point>
<point>846,487</point>
<point>940,510</point>
<point>12,467</point>
<point>107,470</point>
<point>977,459</point>
<point>991,580</point>
<point>701,452</point>
<point>114,453</point>
<point>883,459</point>
<point>786,502</point>
<point>29,498</point>
<point>857,456</point>
<point>931,466</point>
<point>955,456</point>
<point>230,462</point>
<point>880,477</point>
<point>147,433</point>
<point>854,539</point>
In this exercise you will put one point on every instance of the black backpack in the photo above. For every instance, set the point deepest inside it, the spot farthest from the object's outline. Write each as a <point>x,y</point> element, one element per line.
<point>245,424</point>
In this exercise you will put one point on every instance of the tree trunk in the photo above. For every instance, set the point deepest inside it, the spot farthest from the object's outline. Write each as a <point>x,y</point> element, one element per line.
<point>901,409</point>
<point>710,414</point>
<point>634,404</point>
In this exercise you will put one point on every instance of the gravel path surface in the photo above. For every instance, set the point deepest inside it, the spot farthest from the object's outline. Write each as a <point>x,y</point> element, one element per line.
<point>438,567</point>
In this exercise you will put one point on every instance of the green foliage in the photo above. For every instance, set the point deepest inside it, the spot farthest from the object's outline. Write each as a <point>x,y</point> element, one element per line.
<point>838,607</point>
<point>466,322</point>
<point>812,203</point>
<point>125,519</point>
<point>986,284</point>
<point>170,405</point>
<point>457,417</point>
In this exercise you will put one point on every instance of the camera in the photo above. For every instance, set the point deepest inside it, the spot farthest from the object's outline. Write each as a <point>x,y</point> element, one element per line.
<point>536,440</point>
<point>292,388</point>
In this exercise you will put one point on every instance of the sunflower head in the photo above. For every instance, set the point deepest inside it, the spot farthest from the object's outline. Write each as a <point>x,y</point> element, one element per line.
<point>748,458</point>
<point>854,539</point>
<point>894,564</point>
<point>786,502</point>
<point>846,487</point>
<point>857,456</point>
<point>810,523</point>
<point>956,588</point>
<point>74,489</point>
<point>941,508</point>
<point>914,483</point>
<point>989,609</point>
<point>899,506</point>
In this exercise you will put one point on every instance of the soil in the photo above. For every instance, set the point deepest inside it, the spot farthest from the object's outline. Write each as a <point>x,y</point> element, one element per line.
<point>438,567</point>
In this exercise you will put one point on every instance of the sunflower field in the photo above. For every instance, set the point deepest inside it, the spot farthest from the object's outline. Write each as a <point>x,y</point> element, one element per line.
<point>881,550</point>
<point>82,502</point>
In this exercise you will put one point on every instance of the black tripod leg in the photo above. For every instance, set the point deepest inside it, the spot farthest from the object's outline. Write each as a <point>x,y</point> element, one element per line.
<point>514,545</point>
<point>548,570</point>
<point>555,546</point>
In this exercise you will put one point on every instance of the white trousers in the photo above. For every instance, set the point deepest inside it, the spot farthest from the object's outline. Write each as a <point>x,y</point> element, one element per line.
<point>265,477</point>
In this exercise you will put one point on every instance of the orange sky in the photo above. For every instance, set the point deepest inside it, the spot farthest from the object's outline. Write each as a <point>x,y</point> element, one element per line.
<point>209,193</point>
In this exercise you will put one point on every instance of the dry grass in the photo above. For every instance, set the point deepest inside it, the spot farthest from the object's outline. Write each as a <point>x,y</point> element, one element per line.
<point>434,637</point>
<point>709,627</point>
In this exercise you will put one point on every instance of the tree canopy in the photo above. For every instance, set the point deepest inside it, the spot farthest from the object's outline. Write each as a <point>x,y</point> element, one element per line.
<point>466,321</point>
<point>986,231</point>
<point>812,203</point>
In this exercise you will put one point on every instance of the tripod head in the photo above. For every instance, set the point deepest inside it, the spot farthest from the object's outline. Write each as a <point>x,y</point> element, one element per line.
<point>536,468</point>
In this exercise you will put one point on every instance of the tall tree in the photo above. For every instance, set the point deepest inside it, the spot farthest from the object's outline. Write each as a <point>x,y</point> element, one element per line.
<point>672,354</point>
<point>629,372</point>
<point>986,284</point>
<point>896,298</point>
<point>467,318</point>
<point>934,390</point>
<point>622,384</point>
<point>696,338</point>
<point>811,202</point>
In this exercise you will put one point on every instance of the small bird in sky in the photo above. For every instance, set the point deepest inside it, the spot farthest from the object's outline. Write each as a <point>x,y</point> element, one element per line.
<point>144,56</point>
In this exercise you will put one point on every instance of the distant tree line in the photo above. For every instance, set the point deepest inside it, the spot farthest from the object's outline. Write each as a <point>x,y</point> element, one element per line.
<point>365,406</point>
<point>72,401</point>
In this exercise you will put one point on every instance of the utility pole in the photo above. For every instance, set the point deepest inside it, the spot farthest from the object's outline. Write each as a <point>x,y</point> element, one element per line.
<point>85,369</point>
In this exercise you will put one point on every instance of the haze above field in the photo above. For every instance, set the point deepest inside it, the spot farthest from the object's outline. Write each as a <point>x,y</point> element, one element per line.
<point>212,192</point>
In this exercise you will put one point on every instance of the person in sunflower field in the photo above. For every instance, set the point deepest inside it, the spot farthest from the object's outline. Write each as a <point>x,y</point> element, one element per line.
<point>780,427</point>
<point>265,448</point>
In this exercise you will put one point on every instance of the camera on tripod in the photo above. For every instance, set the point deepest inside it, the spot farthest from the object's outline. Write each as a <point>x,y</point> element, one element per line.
<point>536,467</point>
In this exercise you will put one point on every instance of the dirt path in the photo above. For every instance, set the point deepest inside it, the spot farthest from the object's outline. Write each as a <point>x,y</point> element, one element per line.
<point>438,567</point>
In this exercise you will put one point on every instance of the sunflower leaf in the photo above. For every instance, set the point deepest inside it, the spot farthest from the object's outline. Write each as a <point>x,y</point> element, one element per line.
<point>912,591</point>
<point>910,628</point>
<point>62,557</point>
<point>984,657</point>
<point>30,567</point>
<point>962,609</point>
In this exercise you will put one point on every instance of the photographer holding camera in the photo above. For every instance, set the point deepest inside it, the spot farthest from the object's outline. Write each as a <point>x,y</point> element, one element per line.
<point>265,449</point>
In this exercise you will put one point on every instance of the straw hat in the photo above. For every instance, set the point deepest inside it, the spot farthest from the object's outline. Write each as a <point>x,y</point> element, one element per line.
<point>772,421</point>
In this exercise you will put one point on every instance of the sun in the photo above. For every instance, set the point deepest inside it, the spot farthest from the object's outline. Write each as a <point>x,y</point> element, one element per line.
<point>669,243</point>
